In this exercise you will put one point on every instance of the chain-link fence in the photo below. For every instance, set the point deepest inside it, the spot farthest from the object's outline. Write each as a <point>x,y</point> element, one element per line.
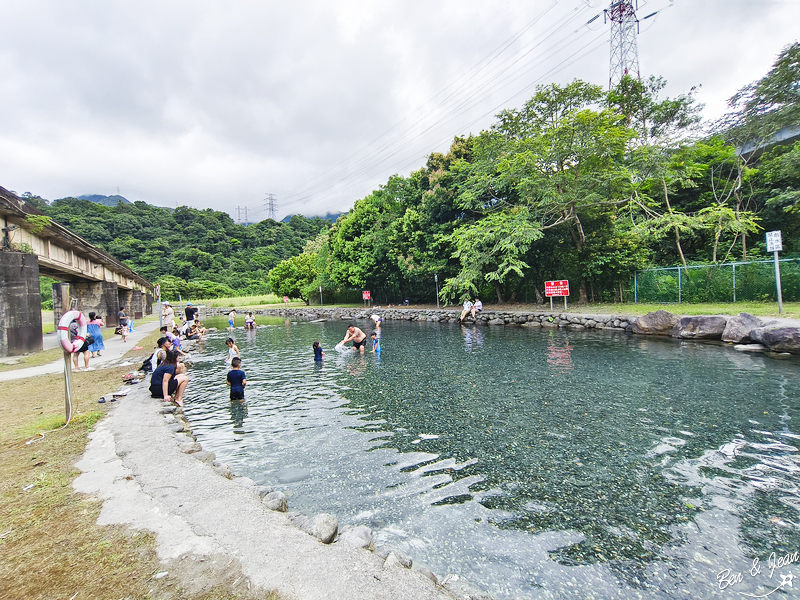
<point>728,282</point>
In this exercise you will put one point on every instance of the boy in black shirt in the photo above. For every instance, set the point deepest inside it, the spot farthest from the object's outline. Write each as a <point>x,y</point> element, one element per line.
<point>236,379</point>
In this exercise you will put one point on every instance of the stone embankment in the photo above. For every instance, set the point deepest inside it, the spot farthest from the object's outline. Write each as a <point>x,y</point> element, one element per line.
<point>748,333</point>
<point>556,319</point>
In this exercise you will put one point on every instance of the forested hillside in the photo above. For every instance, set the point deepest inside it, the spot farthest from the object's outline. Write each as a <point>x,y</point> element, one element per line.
<point>580,184</point>
<point>197,253</point>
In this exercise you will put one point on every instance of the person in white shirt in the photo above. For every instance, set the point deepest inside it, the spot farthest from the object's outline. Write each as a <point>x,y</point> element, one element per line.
<point>476,308</point>
<point>467,309</point>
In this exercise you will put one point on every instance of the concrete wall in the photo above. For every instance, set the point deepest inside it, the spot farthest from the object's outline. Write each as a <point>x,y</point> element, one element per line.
<point>96,296</point>
<point>20,304</point>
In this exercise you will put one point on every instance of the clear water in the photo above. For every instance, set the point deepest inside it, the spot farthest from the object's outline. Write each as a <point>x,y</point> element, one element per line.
<point>534,463</point>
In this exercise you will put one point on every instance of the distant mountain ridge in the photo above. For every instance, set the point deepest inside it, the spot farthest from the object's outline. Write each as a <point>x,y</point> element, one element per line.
<point>105,200</point>
<point>332,217</point>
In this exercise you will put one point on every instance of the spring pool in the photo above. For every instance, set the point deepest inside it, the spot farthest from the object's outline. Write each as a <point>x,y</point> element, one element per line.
<point>534,463</point>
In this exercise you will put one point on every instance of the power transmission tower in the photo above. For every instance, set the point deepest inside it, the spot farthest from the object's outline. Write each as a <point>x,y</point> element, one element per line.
<point>271,206</point>
<point>624,52</point>
<point>246,222</point>
<point>238,215</point>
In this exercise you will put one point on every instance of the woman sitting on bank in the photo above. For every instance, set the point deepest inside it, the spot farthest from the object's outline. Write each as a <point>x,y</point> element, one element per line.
<point>169,379</point>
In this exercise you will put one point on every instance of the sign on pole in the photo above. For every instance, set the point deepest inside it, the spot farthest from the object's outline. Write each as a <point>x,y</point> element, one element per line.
<point>286,299</point>
<point>775,245</point>
<point>774,241</point>
<point>365,296</point>
<point>556,288</point>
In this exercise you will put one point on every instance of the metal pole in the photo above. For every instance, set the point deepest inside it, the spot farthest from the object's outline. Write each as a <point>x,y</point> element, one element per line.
<point>68,393</point>
<point>778,283</point>
<point>635,287</point>
<point>679,285</point>
<point>734,283</point>
<point>436,279</point>
<point>320,295</point>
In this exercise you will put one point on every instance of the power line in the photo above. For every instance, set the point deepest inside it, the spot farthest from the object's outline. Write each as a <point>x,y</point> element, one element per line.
<point>571,59</point>
<point>363,169</point>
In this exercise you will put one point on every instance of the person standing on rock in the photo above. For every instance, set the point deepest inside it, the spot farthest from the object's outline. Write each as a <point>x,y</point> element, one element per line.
<point>358,337</point>
<point>191,312</point>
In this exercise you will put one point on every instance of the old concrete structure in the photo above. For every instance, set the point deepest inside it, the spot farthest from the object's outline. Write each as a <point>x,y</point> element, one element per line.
<point>32,245</point>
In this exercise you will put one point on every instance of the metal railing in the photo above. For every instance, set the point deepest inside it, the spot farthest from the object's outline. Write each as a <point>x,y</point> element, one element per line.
<point>727,282</point>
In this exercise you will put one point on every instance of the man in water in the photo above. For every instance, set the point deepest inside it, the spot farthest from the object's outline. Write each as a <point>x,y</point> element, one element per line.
<point>358,337</point>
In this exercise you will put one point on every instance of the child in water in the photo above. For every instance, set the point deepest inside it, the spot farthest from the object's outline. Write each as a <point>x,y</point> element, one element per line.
<point>236,379</point>
<point>376,343</point>
<point>249,321</point>
<point>233,351</point>
<point>318,353</point>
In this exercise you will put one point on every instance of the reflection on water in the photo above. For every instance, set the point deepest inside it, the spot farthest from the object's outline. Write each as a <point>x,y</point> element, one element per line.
<point>558,355</point>
<point>536,463</point>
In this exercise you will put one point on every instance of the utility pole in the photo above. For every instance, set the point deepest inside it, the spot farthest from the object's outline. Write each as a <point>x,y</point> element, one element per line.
<point>271,206</point>
<point>238,215</point>
<point>246,222</point>
<point>624,52</point>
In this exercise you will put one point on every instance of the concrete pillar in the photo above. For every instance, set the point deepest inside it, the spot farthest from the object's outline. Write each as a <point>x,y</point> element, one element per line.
<point>126,300</point>
<point>20,304</point>
<point>137,305</point>
<point>96,296</point>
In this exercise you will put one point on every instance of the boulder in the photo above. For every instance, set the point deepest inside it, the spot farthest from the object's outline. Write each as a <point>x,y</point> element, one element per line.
<point>356,537</point>
<point>428,574</point>
<point>276,501</point>
<point>497,322</point>
<point>778,339</point>
<point>393,561</point>
<point>263,490</point>
<point>323,526</point>
<point>700,327</point>
<point>739,327</point>
<point>205,456</point>
<point>191,447</point>
<point>401,557</point>
<point>660,322</point>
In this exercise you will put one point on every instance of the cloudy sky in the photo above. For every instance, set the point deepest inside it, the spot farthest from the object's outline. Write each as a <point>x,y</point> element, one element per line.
<point>216,104</point>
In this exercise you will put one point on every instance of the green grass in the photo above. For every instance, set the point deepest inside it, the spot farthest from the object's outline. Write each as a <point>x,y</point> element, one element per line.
<point>48,324</point>
<point>268,300</point>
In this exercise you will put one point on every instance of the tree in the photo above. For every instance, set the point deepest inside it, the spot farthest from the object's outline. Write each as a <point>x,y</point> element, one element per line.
<point>293,276</point>
<point>490,250</point>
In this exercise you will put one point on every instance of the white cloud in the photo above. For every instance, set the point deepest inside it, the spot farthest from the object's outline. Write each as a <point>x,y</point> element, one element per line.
<point>215,104</point>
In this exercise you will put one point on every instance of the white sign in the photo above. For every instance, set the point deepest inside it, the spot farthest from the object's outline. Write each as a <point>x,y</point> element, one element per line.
<point>774,241</point>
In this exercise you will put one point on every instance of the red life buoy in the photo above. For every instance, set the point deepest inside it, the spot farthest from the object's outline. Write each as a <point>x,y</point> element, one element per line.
<point>63,330</point>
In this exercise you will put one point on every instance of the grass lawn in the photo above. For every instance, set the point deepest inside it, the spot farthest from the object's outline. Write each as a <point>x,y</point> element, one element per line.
<point>50,544</point>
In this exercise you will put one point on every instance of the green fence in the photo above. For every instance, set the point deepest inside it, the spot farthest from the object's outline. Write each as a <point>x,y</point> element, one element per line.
<point>728,282</point>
